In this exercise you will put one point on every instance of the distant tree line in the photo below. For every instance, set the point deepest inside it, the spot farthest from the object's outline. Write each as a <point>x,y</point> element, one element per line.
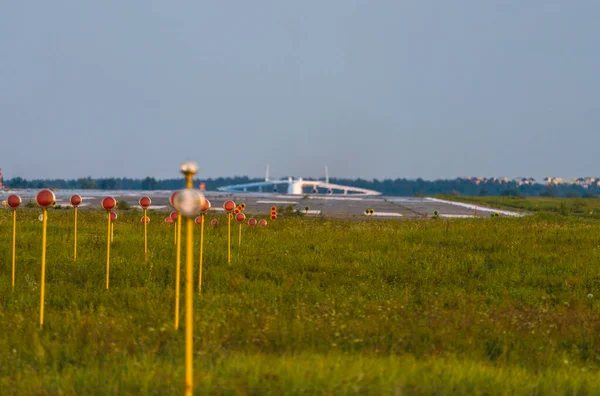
<point>395,187</point>
<point>118,183</point>
<point>459,186</point>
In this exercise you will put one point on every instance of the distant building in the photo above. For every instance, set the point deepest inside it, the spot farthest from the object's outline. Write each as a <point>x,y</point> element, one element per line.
<point>554,180</point>
<point>525,181</point>
<point>477,179</point>
<point>585,182</point>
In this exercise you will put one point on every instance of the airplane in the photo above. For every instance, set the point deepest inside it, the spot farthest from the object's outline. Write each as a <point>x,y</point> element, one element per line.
<point>296,187</point>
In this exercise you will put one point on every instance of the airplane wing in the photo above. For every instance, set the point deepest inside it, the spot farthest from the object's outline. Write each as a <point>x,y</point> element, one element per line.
<point>242,187</point>
<point>295,187</point>
<point>355,190</point>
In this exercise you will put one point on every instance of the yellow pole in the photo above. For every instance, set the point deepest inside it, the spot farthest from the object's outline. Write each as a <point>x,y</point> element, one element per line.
<point>228,238</point>
<point>108,250</point>
<point>240,236</point>
<point>177,270</point>
<point>112,231</point>
<point>43,282</point>
<point>189,290</point>
<point>175,233</point>
<point>14,247</point>
<point>189,311</point>
<point>201,244</point>
<point>145,235</point>
<point>75,236</point>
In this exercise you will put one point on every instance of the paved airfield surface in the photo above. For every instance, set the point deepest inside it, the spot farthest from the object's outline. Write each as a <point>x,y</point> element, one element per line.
<point>341,206</point>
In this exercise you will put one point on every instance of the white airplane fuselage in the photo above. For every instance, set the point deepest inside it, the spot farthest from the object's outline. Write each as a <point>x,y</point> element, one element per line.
<point>296,187</point>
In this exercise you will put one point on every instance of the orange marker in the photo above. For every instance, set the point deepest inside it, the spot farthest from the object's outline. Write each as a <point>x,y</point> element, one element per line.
<point>229,206</point>
<point>75,202</point>
<point>44,199</point>
<point>14,201</point>
<point>240,218</point>
<point>145,204</point>
<point>108,204</point>
<point>176,218</point>
<point>200,221</point>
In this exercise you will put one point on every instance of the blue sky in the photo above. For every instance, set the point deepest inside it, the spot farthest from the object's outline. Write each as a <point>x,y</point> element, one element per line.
<point>373,89</point>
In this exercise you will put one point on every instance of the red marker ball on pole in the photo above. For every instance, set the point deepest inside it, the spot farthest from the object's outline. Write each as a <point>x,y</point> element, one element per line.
<point>240,217</point>
<point>45,198</point>
<point>236,211</point>
<point>145,202</point>
<point>262,223</point>
<point>252,222</point>
<point>198,220</point>
<point>214,222</point>
<point>75,200</point>
<point>145,220</point>
<point>14,201</point>
<point>109,203</point>
<point>113,216</point>
<point>273,217</point>
<point>229,206</point>
<point>273,209</point>
<point>174,216</point>
<point>169,220</point>
<point>172,198</point>
<point>205,205</point>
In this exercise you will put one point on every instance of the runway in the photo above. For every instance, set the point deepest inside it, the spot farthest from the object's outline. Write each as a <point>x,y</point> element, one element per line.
<point>339,206</point>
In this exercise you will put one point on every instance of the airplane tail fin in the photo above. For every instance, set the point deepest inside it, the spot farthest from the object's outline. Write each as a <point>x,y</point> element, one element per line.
<point>326,174</point>
<point>267,174</point>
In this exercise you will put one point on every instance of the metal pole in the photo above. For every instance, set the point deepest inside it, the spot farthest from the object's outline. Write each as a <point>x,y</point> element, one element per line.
<point>43,281</point>
<point>228,238</point>
<point>201,245</point>
<point>108,250</point>
<point>75,236</point>
<point>145,235</point>
<point>14,247</point>
<point>177,270</point>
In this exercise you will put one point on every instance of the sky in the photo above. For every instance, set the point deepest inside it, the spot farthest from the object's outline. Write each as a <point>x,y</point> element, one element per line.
<point>372,89</point>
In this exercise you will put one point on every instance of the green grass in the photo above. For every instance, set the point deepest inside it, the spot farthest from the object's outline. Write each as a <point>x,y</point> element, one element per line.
<point>580,207</point>
<point>308,306</point>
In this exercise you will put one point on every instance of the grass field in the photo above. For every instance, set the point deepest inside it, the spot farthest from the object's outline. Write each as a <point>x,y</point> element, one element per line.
<point>580,207</point>
<point>308,306</point>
